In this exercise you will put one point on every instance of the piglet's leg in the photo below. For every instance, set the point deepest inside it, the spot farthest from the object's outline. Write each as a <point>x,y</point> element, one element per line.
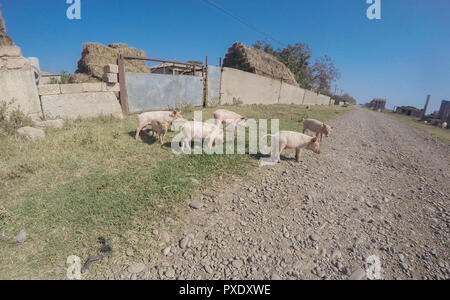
<point>282,147</point>
<point>139,129</point>
<point>298,154</point>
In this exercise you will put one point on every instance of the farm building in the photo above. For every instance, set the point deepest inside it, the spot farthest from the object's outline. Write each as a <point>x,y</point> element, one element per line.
<point>444,112</point>
<point>378,104</point>
<point>176,69</point>
<point>409,111</point>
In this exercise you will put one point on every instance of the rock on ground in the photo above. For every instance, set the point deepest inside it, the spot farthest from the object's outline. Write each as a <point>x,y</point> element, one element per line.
<point>31,133</point>
<point>21,237</point>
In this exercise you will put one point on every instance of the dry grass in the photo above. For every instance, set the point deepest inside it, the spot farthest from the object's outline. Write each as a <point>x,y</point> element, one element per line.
<point>92,179</point>
<point>437,132</point>
<point>12,118</point>
<point>249,59</point>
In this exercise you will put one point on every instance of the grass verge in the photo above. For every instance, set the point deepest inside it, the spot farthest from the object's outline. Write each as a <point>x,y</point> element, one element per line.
<point>442,134</point>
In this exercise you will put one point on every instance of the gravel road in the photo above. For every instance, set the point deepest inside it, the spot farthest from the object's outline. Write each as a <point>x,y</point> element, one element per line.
<point>379,190</point>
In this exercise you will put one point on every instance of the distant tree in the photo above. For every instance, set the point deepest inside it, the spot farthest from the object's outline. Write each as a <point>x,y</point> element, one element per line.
<point>263,45</point>
<point>64,77</point>
<point>296,58</point>
<point>318,76</point>
<point>349,99</point>
<point>323,74</point>
<point>344,98</point>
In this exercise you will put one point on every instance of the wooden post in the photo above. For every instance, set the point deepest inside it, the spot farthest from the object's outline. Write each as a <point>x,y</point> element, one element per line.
<point>424,112</point>
<point>123,86</point>
<point>220,83</point>
<point>205,92</point>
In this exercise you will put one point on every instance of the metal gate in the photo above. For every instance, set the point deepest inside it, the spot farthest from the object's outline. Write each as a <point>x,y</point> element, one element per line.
<point>149,91</point>
<point>159,91</point>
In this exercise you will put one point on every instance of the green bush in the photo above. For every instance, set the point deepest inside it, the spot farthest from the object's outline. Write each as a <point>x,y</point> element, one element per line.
<point>12,119</point>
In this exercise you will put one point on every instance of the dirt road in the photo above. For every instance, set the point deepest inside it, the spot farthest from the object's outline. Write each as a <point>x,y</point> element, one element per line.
<point>380,189</point>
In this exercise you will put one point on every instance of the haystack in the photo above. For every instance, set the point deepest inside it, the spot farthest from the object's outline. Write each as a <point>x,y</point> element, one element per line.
<point>257,61</point>
<point>95,56</point>
<point>5,39</point>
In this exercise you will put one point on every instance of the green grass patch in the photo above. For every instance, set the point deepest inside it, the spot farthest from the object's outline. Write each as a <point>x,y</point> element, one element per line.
<point>92,179</point>
<point>442,134</point>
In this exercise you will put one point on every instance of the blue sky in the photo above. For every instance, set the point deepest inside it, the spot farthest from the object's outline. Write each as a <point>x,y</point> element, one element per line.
<point>403,57</point>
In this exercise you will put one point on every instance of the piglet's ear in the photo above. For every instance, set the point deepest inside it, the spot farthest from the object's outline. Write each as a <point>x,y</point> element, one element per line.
<point>314,140</point>
<point>324,126</point>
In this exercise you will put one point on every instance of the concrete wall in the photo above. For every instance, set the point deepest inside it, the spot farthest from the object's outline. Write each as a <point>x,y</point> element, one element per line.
<point>81,105</point>
<point>291,94</point>
<point>20,86</point>
<point>17,81</point>
<point>214,74</point>
<point>323,100</point>
<point>248,88</point>
<point>310,98</point>
<point>54,89</point>
<point>83,100</point>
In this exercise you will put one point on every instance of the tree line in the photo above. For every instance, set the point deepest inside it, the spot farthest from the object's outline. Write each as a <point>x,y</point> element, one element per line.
<point>318,75</point>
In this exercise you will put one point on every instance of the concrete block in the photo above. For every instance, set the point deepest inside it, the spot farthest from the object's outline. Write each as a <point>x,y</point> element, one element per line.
<point>20,85</point>
<point>31,133</point>
<point>93,87</point>
<point>74,88</point>
<point>58,124</point>
<point>10,51</point>
<point>81,105</point>
<point>111,87</point>
<point>17,63</point>
<point>49,89</point>
<point>110,78</point>
<point>111,69</point>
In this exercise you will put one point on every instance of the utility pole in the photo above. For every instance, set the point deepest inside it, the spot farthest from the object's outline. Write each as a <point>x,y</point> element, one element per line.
<point>422,117</point>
